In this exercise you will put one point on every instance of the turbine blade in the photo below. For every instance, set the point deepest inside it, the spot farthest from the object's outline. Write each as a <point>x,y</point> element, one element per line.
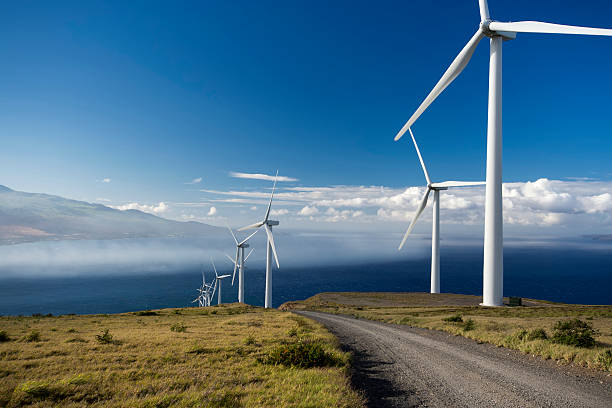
<point>455,68</point>
<point>249,237</point>
<point>213,264</point>
<point>256,225</point>
<point>250,252</point>
<point>547,28</point>
<point>458,184</point>
<point>229,257</point>
<point>271,239</point>
<point>484,10</point>
<point>418,213</point>
<point>416,146</point>
<point>271,196</point>
<point>233,236</point>
<point>235,263</point>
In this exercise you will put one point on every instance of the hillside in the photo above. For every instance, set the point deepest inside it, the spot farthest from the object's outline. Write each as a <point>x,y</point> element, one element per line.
<point>193,357</point>
<point>28,217</point>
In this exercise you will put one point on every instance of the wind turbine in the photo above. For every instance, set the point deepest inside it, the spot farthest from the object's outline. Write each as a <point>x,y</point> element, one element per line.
<point>496,31</point>
<point>270,247</point>
<point>218,281</point>
<point>435,229</point>
<point>239,262</point>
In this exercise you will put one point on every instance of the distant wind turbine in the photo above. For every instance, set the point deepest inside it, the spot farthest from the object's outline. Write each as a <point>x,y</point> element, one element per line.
<point>270,247</point>
<point>496,31</point>
<point>218,281</point>
<point>239,262</point>
<point>435,230</point>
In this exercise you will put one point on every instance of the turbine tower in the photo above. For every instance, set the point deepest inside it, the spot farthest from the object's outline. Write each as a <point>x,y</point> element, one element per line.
<point>270,247</point>
<point>239,262</point>
<point>496,32</point>
<point>435,230</point>
<point>218,281</point>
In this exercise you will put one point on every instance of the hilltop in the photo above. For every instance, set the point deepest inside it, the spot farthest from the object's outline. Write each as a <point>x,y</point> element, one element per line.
<point>29,217</point>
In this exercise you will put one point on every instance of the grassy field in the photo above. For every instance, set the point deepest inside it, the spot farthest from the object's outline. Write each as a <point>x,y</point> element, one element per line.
<point>193,357</point>
<point>512,327</point>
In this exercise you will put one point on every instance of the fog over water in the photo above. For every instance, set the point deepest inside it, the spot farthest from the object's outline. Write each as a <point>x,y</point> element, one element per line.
<point>134,274</point>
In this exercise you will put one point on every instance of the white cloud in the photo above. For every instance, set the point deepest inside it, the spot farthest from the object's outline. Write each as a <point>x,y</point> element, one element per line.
<point>282,211</point>
<point>308,211</point>
<point>253,208</point>
<point>197,180</point>
<point>105,180</point>
<point>259,176</point>
<point>151,209</point>
<point>212,211</point>
<point>576,204</point>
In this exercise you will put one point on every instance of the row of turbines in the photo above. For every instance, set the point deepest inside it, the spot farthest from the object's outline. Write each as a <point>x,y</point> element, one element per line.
<point>497,32</point>
<point>207,291</point>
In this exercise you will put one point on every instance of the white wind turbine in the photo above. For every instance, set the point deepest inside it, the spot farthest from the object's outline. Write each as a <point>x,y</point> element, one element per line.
<point>270,247</point>
<point>239,262</point>
<point>218,281</point>
<point>435,229</point>
<point>496,31</point>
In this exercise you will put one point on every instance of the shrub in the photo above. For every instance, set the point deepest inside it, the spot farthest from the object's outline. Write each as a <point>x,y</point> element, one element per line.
<point>249,340</point>
<point>303,355</point>
<point>574,332</point>
<point>292,332</point>
<point>71,331</point>
<point>537,334</point>
<point>105,337</point>
<point>147,313</point>
<point>4,336</point>
<point>605,359</point>
<point>178,327</point>
<point>469,325</point>
<point>32,336</point>
<point>454,318</point>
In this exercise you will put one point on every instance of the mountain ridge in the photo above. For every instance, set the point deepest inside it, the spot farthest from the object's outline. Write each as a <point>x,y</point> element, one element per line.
<point>30,217</point>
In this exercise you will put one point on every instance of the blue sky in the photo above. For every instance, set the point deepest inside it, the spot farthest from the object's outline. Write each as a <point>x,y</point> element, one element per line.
<point>152,95</point>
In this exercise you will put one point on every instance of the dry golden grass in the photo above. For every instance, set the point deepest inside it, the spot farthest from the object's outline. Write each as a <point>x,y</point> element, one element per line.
<point>500,326</point>
<point>213,363</point>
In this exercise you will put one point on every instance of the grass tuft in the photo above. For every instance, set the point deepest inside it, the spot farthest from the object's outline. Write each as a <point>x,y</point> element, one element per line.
<point>178,327</point>
<point>302,354</point>
<point>32,336</point>
<point>105,337</point>
<point>456,318</point>
<point>469,325</point>
<point>4,336</point>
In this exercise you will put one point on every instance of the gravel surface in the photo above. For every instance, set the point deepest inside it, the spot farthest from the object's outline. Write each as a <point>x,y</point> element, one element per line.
<point>401,366</point>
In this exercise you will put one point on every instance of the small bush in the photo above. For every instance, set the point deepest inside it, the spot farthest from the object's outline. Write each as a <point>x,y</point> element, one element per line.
<point>454,319</point>
<point>303,355</point>
<point>574,332</point>
<point>147,313</point>
<point>71,331</point>
<point>292,332</point>
<point>36,389</point>
<point>605,359</point>
<point>178,327</point>
<point>105,337</point>
<point>537,334</point>
<point>469,325</point>
<point>249,340</point>
<point>4,336</point>
<point>32,336</point>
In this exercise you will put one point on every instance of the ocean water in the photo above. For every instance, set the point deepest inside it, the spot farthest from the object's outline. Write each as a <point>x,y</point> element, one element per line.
<point>556,274</point>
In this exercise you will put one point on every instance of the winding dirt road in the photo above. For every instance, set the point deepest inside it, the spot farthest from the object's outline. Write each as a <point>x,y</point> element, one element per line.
<point>400,366</point>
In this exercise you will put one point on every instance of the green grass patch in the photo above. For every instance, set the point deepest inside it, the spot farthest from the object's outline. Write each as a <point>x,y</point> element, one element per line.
<point>302,354</point>
<point>574,332</point>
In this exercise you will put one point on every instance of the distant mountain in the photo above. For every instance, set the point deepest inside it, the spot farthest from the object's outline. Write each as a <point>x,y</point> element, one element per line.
<point>27,217</point>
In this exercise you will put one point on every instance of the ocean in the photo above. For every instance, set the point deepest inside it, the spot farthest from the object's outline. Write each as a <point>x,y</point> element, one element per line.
<point>549,273</point>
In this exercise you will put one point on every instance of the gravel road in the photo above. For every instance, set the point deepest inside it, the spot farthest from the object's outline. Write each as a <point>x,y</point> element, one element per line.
<point>400,366</point>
